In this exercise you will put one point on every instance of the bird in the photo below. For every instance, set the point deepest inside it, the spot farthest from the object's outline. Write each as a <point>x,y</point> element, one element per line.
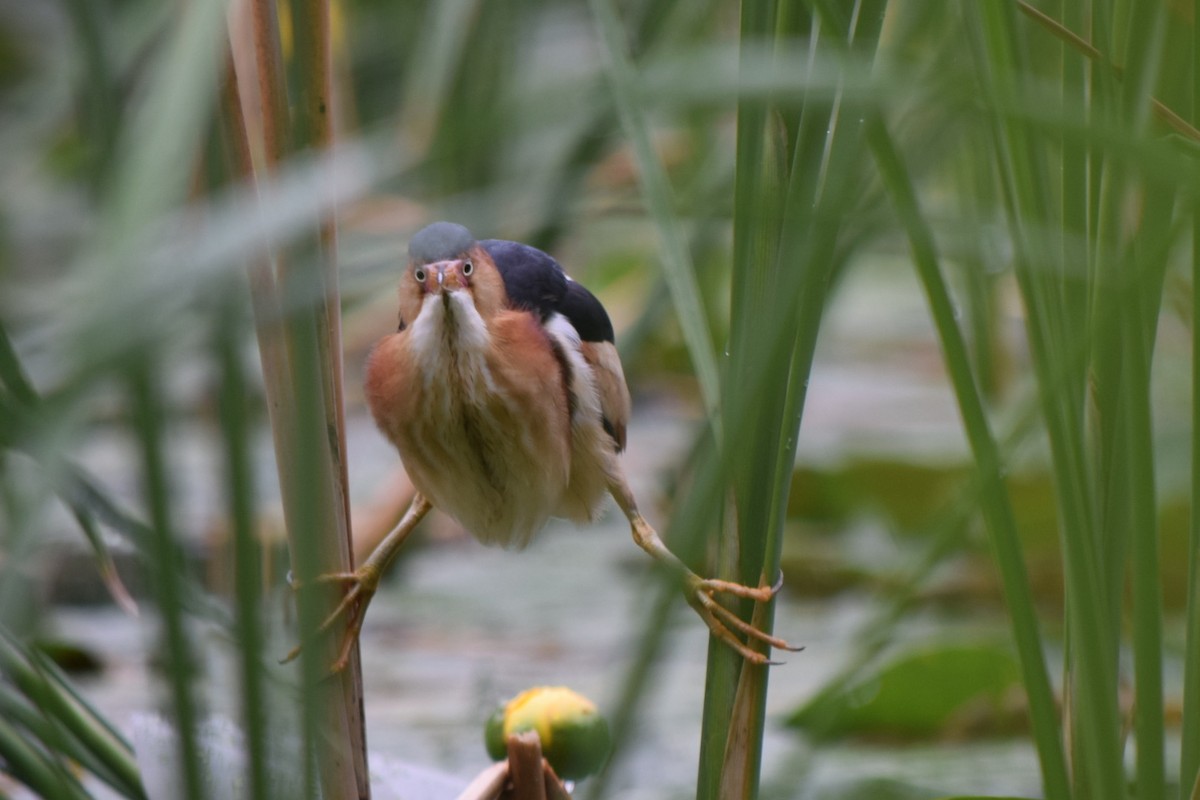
<point>503,392</point>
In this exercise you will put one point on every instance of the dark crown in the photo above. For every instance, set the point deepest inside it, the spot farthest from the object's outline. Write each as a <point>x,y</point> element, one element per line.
<point>439,242</point>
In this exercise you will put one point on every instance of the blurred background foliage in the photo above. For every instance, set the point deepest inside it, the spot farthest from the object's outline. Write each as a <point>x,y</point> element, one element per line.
<point>957,240</point>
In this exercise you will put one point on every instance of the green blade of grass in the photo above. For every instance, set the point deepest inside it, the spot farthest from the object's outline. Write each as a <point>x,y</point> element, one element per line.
<point>752,247</point>
<point>994,502</point>
<point>815,172</point>
<point>101,112</point>
<point>165,134</point>
<point>1096,734</point>
<point>1147,626</point>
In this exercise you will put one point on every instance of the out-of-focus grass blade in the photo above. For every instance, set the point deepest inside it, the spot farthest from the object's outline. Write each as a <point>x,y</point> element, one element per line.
<point>15,381</point>
<point>37,770</point>
<point>439,51</point>
<point>12,375</point>
<point>179,658</point>
<point>247,563</point>
<point>104,561</point>
<point>788,73</point>
<point>656,189</point>
<point>20,712</point>
<point>186,251</point>
<point>100,96</point>
<point>80,490</point>
<point>1189,756</point>
<point>45,685</point>
<point>166,129</point>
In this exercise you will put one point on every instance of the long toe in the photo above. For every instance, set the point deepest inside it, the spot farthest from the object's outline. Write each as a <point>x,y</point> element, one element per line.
<point>731,619</point>
<point>726,625</point>
<point>706,607</point>
<point>760,594</point>
<point>360,586</point>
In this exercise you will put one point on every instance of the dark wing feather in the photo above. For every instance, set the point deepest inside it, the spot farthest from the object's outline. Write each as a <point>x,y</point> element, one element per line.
<point>532,279</point>
<point>585,312</point>
<point>536,282</point>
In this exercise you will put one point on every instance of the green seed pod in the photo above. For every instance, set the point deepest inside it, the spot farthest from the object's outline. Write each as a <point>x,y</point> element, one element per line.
<point>575,738</point>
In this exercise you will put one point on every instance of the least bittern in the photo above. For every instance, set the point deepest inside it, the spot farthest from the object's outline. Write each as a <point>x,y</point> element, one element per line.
<point>504,394</point>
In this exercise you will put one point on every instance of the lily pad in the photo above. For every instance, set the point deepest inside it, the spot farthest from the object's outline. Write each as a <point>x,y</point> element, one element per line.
<point>934,691</point>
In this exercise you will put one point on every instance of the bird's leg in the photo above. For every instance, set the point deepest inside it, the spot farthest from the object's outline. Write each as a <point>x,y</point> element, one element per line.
<point>699,591</point>
<point>362,583</point>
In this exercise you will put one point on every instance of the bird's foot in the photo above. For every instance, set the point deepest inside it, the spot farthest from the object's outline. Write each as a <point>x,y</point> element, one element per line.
<point>360,586</point>
<point>723,622</point>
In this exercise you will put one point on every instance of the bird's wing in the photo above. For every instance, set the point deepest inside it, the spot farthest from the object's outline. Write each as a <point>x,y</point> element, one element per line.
<point>537,283</point>
<point>595,329</point>
<point>533,280</point>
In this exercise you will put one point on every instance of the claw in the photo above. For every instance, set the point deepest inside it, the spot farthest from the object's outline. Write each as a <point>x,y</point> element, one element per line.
<point>362,585</point>
<point>749,630</point>
<point>699,590</point>
<point>720,620</point>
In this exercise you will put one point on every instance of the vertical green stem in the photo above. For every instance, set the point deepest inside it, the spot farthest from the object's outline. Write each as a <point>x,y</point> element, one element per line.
<point>308,486</point>
<point>316,483</point>
<point>753,250</point>
<point>1146,580</point>
<point>1189,759</point>
<point>247,563</point>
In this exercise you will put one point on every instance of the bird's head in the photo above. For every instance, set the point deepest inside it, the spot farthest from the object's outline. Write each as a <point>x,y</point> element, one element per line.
<point>443,260</point>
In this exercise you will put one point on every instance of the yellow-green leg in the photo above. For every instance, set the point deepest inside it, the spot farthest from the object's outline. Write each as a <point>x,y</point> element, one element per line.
<point>699,591</point>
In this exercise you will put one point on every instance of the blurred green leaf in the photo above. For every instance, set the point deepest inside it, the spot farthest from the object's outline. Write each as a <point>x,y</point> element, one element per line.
<point>61,719</point>
<point>874,789</point>
<point>921,693</point>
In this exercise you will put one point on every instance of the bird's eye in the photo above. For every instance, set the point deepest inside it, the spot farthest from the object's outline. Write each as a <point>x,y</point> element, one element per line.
<point>467,268</point>
<point>419,274</point>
